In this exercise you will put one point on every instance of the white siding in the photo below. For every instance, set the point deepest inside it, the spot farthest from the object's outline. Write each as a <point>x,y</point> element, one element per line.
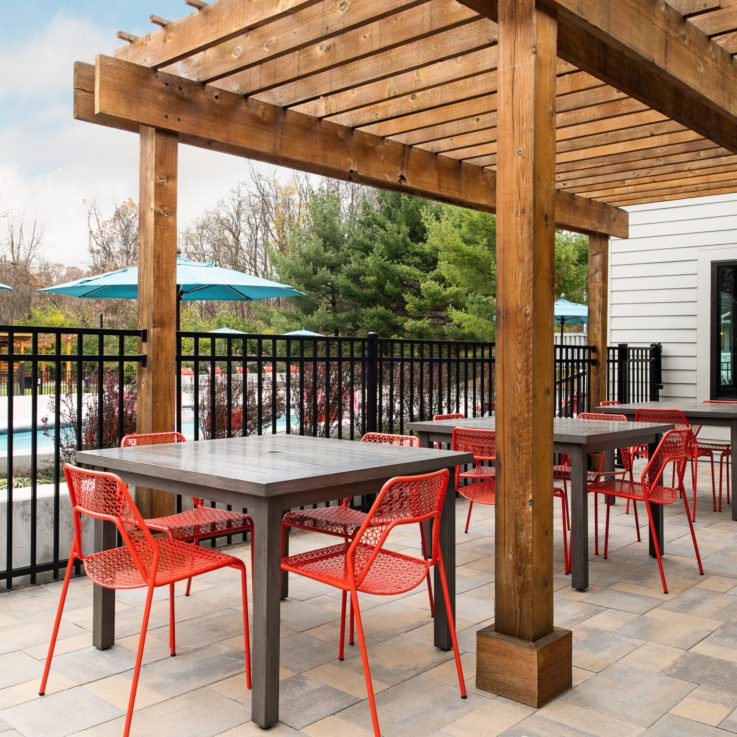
<point>660,284</point>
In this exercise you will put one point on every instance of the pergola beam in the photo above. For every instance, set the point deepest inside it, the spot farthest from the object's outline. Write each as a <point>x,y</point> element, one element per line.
<point>212,118</point>
<point>648,50</point>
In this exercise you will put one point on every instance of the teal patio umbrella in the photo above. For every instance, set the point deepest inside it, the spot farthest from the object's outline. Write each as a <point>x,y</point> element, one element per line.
<point>5,286</point>
<point>303,334</point>
<point>195,280</point>
<point>226,331</point>
<point>570,312</point>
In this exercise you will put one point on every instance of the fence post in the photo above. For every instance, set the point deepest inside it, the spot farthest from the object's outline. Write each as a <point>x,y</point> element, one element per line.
<point>656,371</point>
<point>623,373</point>
<point>372,381</point>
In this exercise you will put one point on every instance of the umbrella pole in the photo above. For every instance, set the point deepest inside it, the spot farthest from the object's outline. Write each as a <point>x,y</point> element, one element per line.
<point>562,322</point>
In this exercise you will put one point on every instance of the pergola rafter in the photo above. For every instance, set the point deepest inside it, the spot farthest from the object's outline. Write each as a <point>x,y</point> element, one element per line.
<point>583,106</point>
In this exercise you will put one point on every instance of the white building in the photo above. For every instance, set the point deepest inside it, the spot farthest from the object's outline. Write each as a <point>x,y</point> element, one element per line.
<point>674,281</point>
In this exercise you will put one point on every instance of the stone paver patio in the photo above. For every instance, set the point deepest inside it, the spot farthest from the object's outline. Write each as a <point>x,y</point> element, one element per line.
<point>645,663</point>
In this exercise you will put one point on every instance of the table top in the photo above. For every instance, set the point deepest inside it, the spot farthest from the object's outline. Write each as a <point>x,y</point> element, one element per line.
<point>566,430</point>
<point>271,465</point>
<point>692,409</point>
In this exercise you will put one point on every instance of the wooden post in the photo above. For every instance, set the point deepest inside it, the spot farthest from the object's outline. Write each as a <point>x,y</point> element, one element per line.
<point>523,656</point>
<point>157,296</point>
<point>598,308</point>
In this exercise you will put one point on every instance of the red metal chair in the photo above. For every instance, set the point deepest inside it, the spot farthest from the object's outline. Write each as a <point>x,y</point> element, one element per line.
<point>450,416</point>
<point>609,403</point>
<point>676,447</point>
<point>480,481</point>
<point>142,562</point>
<point>365,564</point>
<point>198,523</point>
<point>677,418</point>
<point>724,450</point>
<point>343,521</point>
<point>626,456</point>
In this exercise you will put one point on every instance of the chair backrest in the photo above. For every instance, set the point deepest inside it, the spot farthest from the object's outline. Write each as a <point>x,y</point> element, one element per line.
<point>676,446</point>
<point>402,500</point>
<point>151,438</point>
<point>482,443</point>
<point>386,438</point>
<point>451,416</point>
<point>625,453</point>
<point>719,401</point>
<point>609,403</point>
<point>105,496</point>
<point>670,416</point>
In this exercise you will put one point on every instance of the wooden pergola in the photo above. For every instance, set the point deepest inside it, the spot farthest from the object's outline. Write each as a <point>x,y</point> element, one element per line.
<point>555,112</point>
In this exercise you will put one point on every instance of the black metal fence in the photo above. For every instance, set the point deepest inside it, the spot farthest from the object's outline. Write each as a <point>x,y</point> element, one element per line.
<point>76,388</point>
<point>635,373</point>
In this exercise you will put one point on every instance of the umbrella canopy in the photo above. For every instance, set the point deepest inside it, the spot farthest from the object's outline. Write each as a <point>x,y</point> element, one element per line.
<point>226,331</point>
<point>5,286</point>
<point>195,280</point>
<point>304,334</point>
<point>571,312</point>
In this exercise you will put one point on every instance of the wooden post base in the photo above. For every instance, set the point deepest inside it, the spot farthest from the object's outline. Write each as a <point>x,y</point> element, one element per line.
<point>532,673</point>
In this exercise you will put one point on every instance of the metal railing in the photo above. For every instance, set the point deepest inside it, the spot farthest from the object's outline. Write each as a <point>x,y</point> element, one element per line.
<point>236,385</point>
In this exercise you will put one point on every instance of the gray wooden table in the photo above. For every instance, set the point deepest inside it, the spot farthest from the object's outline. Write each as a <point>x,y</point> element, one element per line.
<point>721,415</point>
<point>268,474</point>
<point>576,438</point>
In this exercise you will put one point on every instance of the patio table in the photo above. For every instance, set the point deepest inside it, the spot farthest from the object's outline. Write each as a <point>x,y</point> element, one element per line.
<point>721,415</point>
<point>576,438</point>
<point>269,474</point>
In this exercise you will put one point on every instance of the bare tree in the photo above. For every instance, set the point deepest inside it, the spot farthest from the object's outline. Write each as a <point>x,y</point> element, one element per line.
<point>20,250</point>
<point>113,241</point>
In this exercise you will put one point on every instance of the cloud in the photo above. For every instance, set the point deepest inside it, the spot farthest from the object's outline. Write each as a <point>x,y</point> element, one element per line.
<point>52,166</point>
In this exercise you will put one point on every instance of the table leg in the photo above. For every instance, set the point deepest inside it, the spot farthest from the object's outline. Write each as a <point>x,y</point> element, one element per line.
<point>657,512</point>
<point>579,520</point>
<point>733,463</point>
<point>265,629</point>
<point>448,549</point>
<point>103,600</point>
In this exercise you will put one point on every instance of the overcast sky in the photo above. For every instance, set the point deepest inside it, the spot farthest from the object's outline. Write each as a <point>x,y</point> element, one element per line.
<point>52,166</point>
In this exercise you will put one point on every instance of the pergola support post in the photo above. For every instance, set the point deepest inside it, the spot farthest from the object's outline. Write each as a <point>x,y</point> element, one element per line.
<point>157,296</point>
<point>523,656</point>
<point>598,289</point>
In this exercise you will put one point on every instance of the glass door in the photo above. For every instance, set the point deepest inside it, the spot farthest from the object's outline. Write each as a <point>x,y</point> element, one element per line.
<point>723,332</point>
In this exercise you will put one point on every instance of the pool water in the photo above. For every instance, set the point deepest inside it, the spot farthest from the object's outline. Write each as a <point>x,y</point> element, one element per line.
<point>45,444</point>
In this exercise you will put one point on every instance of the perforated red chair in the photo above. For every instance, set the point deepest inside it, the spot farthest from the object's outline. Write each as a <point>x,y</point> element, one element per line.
<point>677,447</point>
<point>477,484</point>
<point>593,477</point>
<point>200,522</point>
<point>724,450</point>
<point>365,564</point>
<point>343,521</point>
<point>677,418</point>
<point>141,562</point>
<point>450,416</point>
<point>609,403</point>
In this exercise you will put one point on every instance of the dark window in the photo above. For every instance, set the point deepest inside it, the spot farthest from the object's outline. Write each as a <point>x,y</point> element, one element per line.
<point>724,330</point>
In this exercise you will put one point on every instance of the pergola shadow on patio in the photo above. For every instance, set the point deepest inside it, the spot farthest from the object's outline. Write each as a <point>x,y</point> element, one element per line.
<point>548,113</point>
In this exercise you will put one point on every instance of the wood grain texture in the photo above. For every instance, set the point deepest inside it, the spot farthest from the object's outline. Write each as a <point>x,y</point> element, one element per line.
<point>157,297</point>
<point>215,119</point>
<point>524,397</point>
<point>534,673</point>
<point>598,294</point>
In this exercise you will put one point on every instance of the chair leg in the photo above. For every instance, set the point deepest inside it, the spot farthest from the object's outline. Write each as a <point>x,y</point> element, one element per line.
<point>196,541</point>
<point>351,638</point>
<point>364,658</point>
<point>57,621</point>
<point>139,658</point>
<point>713,485</point>
<point>596,523</point>
<point>655,541</point>
<point>451,626</point>
<point>172,635</point>
<point>694,479</point>
<point>246,635</point>
<point>468,516</point>
<point>426,557</point>
<point>566,552</point>
<point>341,646</point>
<point>606,529</point>
<point>637,521</point>
<point>693,536</point>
